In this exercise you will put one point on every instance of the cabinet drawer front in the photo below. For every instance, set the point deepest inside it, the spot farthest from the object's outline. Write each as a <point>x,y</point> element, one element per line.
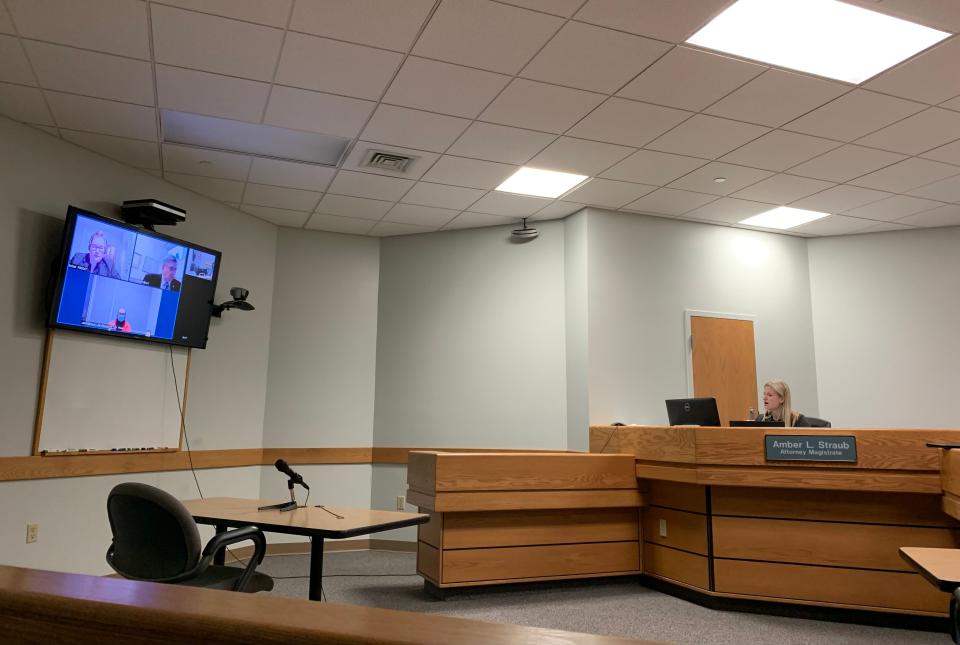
<point>529,528</point>
<point>512,563</point>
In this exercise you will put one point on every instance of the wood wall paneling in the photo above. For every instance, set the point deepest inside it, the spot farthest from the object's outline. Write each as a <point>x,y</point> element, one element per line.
<point>676,529</point>
<point>525,528</point>
<point>429,562</point>
<point>950,471</point>
<point>422,472</point>
<point>679,566</point>
<point>533,471</point>
<point>820,478</point>
<point>525,562</point>
<point>684,497</point>
<point>883,589</point>
<point>432,531</point>
<point>534,499</point>
<point>682,473</point>
<point>669,444</point>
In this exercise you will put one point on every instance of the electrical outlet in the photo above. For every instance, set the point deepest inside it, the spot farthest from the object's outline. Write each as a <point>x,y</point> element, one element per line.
<point>663,528</point>
<point>32,531</point>
<point>401,502</point>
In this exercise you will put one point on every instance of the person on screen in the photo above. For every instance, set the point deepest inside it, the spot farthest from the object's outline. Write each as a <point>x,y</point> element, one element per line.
<point>777,405</point>
<point>95,260</point>
<point>167,278</point>
<point>120,322</point>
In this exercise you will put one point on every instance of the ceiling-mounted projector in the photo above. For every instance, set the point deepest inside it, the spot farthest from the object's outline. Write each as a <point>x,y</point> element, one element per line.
<point>524,233</point>
<point>151,212</point>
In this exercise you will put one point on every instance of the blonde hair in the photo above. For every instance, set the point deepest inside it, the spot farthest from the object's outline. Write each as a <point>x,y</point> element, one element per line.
<point>789,415</point>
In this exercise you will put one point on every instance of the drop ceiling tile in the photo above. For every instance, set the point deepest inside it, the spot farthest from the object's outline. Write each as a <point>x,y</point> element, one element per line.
<point>949,153</point>
<point>290,174</point>
<point>361,184</point>
<point>441,196</point>
<point>153,171</point>
<point>578,156</point>
<point>669,201</point>
<point>628,122</point>
<point>839,199</point>
<point>214,44</point>
<point>331,66</point>
<point>415,128</point>
<point>392,229</point>
<point>846,163</point>
<point>470,173</point>
<point>910,173</point>
<point>854,115</point>
<point>670,20</point>
<point>106,117</point>
<point>783,189</point>
<point>707,136</point>
<point>953,104</point>
<point>381,23</point>
<point>14,67</point>
<point>420,160</point>
<point>24,104</point>
<point>593,58</point>
<point>420,215</point>
<point>139,154</point>
<point>441,87</point>
<point>317,112</point>
<point>893,208</point>
<point>207,163</point>
<point>931,77</point>
<point>500,143</point>
<point>278,216</point>
<point>90,73</point>
<point>834,225</point>
<point>509,205</point>
<point>655,168</point>
<point>538,106</point>
<point>881,227</point>
<point>557,209</point>
<point>939,14</point>
<point>273,13</point>
<point>946,190</point>
<point>278,197</point>
<point>729,210</point>
<point>483,34</point>
<point>478,220</point>
<point>918,133</point>
<point>702,179</point>
<point>779,150</point>
<point>564,8</point>
<point>336,224</point>
<point>360,207</point>
<point>706,76</point>
<point>186,90</point>
<point>775,97</point>
<point>221,190</point>
<point>6,25</point>
<point>944,216</point>
<point>607,193</point>
<point>115,26</point>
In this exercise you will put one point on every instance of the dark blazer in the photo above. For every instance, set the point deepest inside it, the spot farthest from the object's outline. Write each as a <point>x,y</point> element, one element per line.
<point>153,279</point>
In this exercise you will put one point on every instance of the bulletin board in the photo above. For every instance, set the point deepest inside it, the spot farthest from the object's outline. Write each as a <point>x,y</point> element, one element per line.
<point>108,395</point>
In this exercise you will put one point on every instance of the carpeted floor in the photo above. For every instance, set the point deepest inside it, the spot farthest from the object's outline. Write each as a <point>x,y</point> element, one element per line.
<point>618,608</point>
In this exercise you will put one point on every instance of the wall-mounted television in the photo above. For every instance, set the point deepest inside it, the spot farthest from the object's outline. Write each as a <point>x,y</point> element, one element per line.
<point>123,281</point>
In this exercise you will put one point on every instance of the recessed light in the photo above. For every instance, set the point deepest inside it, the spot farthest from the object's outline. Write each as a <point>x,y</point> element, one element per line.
<point>783,218</point>
<point>540,183</point>
<point>824,37</point>
<point>719,180</point>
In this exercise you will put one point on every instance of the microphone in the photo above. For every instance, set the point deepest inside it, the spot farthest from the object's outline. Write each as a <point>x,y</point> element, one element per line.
<point>283,467</point>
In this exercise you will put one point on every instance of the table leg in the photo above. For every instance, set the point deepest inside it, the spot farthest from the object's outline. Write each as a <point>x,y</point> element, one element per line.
<point>316,568</point>
<point>220,556</point>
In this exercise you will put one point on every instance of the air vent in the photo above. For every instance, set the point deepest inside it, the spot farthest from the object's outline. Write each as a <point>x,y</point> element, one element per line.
<point>387,160</point>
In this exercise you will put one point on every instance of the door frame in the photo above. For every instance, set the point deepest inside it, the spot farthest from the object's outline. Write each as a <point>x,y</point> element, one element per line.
<point>687,332</point>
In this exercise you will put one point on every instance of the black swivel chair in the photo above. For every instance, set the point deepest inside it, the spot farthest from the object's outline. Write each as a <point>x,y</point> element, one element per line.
<point>155,539</point>
<point>814,422</point>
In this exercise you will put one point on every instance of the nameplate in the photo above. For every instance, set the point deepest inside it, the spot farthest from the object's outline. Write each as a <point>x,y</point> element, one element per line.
<point>780,447</point>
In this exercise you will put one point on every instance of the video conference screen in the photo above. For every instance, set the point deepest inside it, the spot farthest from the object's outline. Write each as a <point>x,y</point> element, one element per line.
<point>119,280</point>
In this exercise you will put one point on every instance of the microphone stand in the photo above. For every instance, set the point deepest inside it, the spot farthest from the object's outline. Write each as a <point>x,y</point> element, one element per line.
<point>283,506</point>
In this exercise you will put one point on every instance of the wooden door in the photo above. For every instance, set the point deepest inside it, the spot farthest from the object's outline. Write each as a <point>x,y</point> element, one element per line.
<point>725,364</point>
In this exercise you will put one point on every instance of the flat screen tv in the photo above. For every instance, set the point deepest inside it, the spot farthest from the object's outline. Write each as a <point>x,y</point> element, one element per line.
<point>123,281</point>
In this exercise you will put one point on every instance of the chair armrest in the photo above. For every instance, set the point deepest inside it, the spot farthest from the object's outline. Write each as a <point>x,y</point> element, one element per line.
<point>221,540</point>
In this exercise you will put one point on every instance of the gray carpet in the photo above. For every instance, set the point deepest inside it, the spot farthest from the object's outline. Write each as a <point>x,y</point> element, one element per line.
<point>617,608</point>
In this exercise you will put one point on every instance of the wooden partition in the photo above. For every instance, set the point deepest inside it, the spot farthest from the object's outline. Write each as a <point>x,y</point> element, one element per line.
<point>517,517</point>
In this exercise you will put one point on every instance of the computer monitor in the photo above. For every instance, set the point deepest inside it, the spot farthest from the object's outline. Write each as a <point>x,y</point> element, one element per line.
<point>756,424</point>
<point>693,412</point>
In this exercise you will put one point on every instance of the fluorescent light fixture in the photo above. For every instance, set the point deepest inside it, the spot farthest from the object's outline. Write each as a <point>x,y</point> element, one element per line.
<point>252,138</point>
<point>783,218</point>
<point>823,37</point>
<point>540,183</point>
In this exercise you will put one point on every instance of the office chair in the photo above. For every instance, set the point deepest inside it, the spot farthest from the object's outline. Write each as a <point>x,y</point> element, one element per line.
<point>814,422</point>
<point>155,539</point>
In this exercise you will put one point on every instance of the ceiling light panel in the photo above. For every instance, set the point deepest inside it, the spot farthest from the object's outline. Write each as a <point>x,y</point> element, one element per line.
<point>540,183</point>
<point>783,218</point>
<point>824,37</point>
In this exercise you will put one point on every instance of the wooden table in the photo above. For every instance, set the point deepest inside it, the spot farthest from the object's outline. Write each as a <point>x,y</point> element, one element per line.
<point>940,566</point>
<point>315,522</point>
